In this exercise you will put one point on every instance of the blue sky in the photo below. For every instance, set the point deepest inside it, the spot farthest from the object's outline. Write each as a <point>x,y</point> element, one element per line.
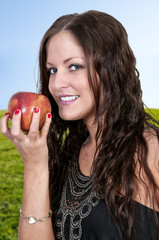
<point>23,23</point>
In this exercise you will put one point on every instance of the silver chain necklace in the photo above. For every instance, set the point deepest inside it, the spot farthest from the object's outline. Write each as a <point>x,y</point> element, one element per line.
<point>76,203</point>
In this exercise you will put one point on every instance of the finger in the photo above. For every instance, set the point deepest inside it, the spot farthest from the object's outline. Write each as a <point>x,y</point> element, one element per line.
<point>16,125</point>
<point>4,125</point>
<point>34,127</point>
<point>45,128</point>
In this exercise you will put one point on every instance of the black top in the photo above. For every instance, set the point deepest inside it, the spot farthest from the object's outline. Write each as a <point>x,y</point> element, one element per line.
<point>84,216</point>
<point>98,225</point>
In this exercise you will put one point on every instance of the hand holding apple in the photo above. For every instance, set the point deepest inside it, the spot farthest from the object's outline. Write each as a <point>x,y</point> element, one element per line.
<point>26,102</point>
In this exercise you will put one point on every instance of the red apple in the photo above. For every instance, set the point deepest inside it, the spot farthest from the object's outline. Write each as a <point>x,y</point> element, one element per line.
<point>26,102</point>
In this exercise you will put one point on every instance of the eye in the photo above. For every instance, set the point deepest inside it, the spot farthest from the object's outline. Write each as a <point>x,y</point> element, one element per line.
<point>52,71</point>
<point>74,67</point>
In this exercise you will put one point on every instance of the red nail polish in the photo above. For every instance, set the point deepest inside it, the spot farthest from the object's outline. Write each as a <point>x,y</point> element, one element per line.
<point>6,114</point>
<point>17,112</point>
<point>49,115</point>
<point>36,110</point>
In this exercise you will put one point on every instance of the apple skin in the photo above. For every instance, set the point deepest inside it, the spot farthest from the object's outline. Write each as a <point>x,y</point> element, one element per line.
<point>26,102</point>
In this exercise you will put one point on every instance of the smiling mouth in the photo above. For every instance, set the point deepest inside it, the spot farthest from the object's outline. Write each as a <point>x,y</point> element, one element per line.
<point>68,98</point>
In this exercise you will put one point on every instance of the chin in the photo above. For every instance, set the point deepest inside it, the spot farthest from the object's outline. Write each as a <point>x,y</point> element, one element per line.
<point>67,117</point>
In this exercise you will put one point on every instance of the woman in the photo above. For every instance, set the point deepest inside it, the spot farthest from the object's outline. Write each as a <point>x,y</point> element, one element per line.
<point>103,176</point>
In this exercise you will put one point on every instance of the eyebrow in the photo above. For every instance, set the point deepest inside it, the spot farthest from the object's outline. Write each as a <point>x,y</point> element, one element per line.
<point>65,61</point>
<point>68,59</point>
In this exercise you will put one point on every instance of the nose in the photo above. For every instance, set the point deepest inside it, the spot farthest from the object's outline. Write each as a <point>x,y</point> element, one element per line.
<point>58,81</point>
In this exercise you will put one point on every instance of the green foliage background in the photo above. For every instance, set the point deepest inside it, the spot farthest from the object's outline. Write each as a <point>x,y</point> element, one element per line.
<point>11,186</point>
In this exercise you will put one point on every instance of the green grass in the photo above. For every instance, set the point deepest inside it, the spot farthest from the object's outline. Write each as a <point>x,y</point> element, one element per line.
<point>154,111</point>
<point>11,186</point>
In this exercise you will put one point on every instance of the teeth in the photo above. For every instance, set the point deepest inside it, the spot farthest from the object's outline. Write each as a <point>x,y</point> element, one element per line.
<point>68,98</point>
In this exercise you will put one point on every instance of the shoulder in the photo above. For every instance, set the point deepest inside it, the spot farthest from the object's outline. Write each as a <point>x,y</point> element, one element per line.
<point>153,151</point>
<point>144,191</point>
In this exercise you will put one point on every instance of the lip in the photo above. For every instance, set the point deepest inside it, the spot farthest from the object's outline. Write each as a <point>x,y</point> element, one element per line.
<point>69,101</point>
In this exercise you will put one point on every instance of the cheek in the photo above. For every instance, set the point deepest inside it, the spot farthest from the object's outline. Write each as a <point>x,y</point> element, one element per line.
<point>50,87</point>
<point>82,83</point>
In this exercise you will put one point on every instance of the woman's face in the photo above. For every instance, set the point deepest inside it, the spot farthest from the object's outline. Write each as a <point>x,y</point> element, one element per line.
<point>68,81</point>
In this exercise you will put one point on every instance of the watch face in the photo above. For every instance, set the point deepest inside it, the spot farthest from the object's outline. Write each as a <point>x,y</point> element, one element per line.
<point>31,220</point>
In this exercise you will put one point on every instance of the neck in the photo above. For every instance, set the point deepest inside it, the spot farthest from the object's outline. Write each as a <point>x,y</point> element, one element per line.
<point>92,128</point>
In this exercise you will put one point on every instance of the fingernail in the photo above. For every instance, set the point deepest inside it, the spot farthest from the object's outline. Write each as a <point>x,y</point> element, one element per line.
<point>17,112</point>
<point>49,115</point>
<point>6,114</point>
<point>36,110</point>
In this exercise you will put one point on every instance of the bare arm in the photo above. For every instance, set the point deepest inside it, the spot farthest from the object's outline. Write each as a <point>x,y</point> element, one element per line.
<point>34,152</point>
<point>35,203</point>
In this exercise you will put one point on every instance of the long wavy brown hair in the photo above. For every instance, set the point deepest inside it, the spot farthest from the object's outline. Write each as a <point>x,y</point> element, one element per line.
<point>121,118</point>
